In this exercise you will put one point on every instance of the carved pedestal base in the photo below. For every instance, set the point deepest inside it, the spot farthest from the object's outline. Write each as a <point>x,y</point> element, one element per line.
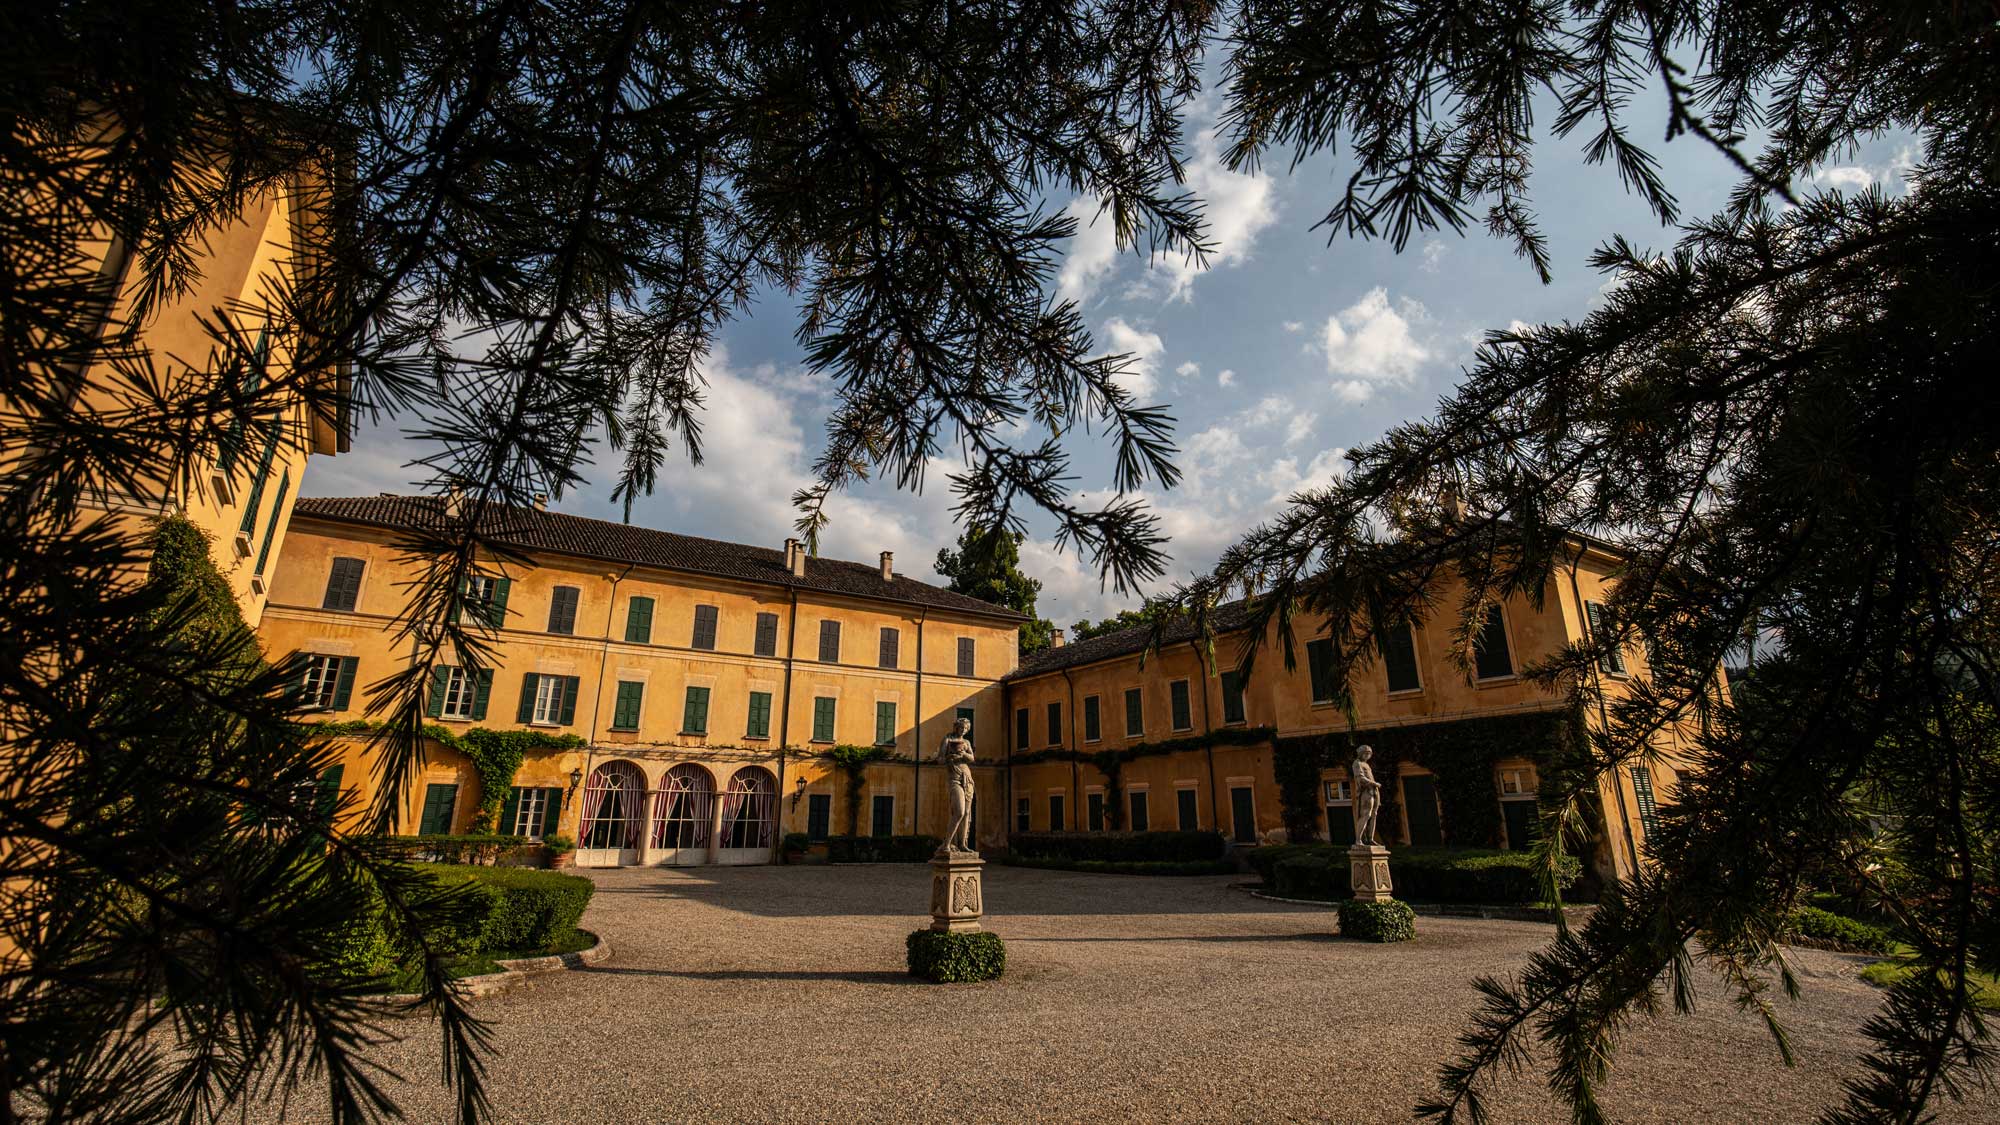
<point>957,899</point>
<point>1368,872</point>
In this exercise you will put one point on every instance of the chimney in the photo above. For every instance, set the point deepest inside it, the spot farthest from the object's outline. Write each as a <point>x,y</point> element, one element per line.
<point>888,565</point>
<point>541,501</point>
<point>795,558</point>
<point>1056,639</point>
<point>454,497</point>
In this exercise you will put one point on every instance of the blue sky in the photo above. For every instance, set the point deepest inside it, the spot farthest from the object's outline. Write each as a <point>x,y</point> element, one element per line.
<point>1280,356</point>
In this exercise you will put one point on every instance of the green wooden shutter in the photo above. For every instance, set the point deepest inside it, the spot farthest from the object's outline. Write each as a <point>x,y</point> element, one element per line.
<point>271,527</point>
<point>823,719</point>
<point>482,691</point>
<point>625,712</point>
<point>1093,718</point>
<point>1232,698</point>
<point>496,613</point>
<point>508,811</point>
<point>639,621</point>
<point>526,712</point>
<point>885,722</point>
<point>1135,712</point>
<point>552,806</point>
<point>759,725</point>
<point>1183,707</point>
<point>1610,660</point>
<point>571,689</point>
<point>256,500</point>
<point>439,803</point>
<point>1319,667</point>
<point>343,687</point>
<point>694,711</point>
<point>1490,657</point>
<point>328,796</point>
<point>440,679</point>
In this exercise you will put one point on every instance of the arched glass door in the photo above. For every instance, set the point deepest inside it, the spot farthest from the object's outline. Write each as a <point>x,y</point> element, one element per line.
<point>613,816</point>
<point>683,815</point>
<point>749,817</point>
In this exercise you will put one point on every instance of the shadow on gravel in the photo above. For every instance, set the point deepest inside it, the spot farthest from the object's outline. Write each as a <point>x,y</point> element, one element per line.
<point>859,977</point>
<point>1225,939</point>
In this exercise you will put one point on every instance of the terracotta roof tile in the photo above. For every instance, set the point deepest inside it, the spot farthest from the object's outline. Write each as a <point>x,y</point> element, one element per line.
<point>537,530</point>
<point>1126,642</point>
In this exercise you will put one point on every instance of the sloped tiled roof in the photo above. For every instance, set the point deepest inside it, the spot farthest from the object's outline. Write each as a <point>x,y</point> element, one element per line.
<point>536,530</point>
<point>1125,642</point>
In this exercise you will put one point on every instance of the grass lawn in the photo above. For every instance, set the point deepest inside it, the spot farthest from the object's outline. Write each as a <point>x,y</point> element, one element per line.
<point>1985,986</point>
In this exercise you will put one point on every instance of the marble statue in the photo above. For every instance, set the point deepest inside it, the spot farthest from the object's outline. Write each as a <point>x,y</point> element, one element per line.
<point>1367,796</point>
<point>956,754</point>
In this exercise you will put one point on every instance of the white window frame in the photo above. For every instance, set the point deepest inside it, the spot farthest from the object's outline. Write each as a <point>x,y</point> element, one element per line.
<point>548,701</point>
<point>322,678</point>
<point>1339,791</point>
<point>533,805</point>
<point>1521,791</point>
<point>458,693</point>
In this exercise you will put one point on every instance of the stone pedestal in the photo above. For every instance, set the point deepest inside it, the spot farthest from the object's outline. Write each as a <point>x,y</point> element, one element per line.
<point>957,899</point>
<point>1368,872</point>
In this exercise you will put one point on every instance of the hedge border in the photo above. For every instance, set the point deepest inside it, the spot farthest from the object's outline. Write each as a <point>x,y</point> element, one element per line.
<point>956,957</point>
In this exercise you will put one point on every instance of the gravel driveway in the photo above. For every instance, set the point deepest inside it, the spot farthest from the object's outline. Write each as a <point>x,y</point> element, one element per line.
<point>778,994</point>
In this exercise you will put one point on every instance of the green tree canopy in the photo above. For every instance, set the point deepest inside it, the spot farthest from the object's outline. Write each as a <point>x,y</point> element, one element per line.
<point>987,566</point>
<point>1085,629</point>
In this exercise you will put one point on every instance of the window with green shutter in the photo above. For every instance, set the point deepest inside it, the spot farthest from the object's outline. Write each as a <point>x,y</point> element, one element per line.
<point>965,655</point>
<point>1319,669</point>
<point>271,526</point>
<point>1093,718</point>
<point>823,719</point>
<point>891,649</point>
<point>625,712</point>
<point>767,634</point>
<point>694,715</point>
<point>1021,728</point>
<point>256,501</point>
<point>562,609</point>
<point>1611,660</point>
<point>1642,791</point>
<point>882,821</point>
<point>760,715</point>
<point>1232,698</point>
<point>1491,659</point>
<point>1055,724</point>
<point>343,585</point>
<point>885,723</point>
<point>1399,659</point>
<point>1135,713</point>
<point>639,621</point>
<point>829,642</point>
<point>1183,706</point>
<point>439,803</point>
<point>704,627</point>
<point>819,815</point>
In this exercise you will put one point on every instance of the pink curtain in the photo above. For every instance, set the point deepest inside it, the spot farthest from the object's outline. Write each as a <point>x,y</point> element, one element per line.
<point>760,809</point>
<point>731,805</point>
<point>593,801</point>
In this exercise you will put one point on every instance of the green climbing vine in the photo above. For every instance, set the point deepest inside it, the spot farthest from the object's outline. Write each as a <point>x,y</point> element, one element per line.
<point>1111,763</point>
<point>1460,753</point>
<point>496,756</point>
<point>855,760</point>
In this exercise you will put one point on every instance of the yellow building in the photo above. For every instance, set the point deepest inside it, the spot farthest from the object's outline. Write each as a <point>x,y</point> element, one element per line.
<point>708,682</point>
<point>1195,749</point>
<point>154,346</point>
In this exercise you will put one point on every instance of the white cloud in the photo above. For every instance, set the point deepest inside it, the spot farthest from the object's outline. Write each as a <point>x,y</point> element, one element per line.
<point>1370,344</point>
<point>1848,177</point>
<point>1237,207</point>
<point>1143,347</point>
<point>1293,326</point>
<point>1434,251</point>
<point>1300,427</point>
<point>1226,379</point>
<point>1189,370</point>
<point>1092,253</point>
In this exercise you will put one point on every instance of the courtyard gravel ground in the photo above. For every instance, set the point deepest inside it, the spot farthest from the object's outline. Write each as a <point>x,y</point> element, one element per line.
<point>778,994</point>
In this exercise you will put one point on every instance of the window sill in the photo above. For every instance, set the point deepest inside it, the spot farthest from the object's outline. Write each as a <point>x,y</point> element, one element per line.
<point>1323,703</point>
<point>756,738</point>
<point>622,730</point>
<point>545,724</point>
<point>1235,722</point>
<point>455,718</point>
<point>693,734</point>
<point>1497,681</point>
<point>819,741</point>
<point>1407,693</point>
<point>1181,730</point>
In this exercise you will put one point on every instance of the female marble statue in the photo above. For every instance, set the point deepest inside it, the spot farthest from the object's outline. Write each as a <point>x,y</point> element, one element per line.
<point>1367,795</point>
<point>956,754</point>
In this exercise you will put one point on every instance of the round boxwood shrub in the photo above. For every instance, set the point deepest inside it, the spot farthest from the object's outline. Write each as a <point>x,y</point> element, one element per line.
<point>947,958</point>
<point>1388,920</point>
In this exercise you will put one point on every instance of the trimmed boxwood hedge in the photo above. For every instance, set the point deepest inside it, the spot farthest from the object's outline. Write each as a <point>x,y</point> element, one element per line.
<point>1135,867</point>
<point>1122,847</point>
<point>948,958</point>
<point>485,850</point>
<point>1464,875</point>
<point>511,909</point>
<point>1377,921</point>
<point>1811,925</point>
<point>881,849</point>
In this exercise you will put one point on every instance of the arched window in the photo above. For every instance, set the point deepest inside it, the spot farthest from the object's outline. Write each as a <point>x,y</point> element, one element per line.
<point>749,813</point>
<point>613,813</point>
<point>682,808</point>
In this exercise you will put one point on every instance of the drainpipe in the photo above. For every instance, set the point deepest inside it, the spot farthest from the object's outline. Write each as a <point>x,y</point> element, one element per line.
<point>597,703</point>
<point>785,712</point>
<point>1603,714</point>
<point>1207,728</point>
<point>1075,748</point>
<point>917,738</point>
<point>1006,712</point>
